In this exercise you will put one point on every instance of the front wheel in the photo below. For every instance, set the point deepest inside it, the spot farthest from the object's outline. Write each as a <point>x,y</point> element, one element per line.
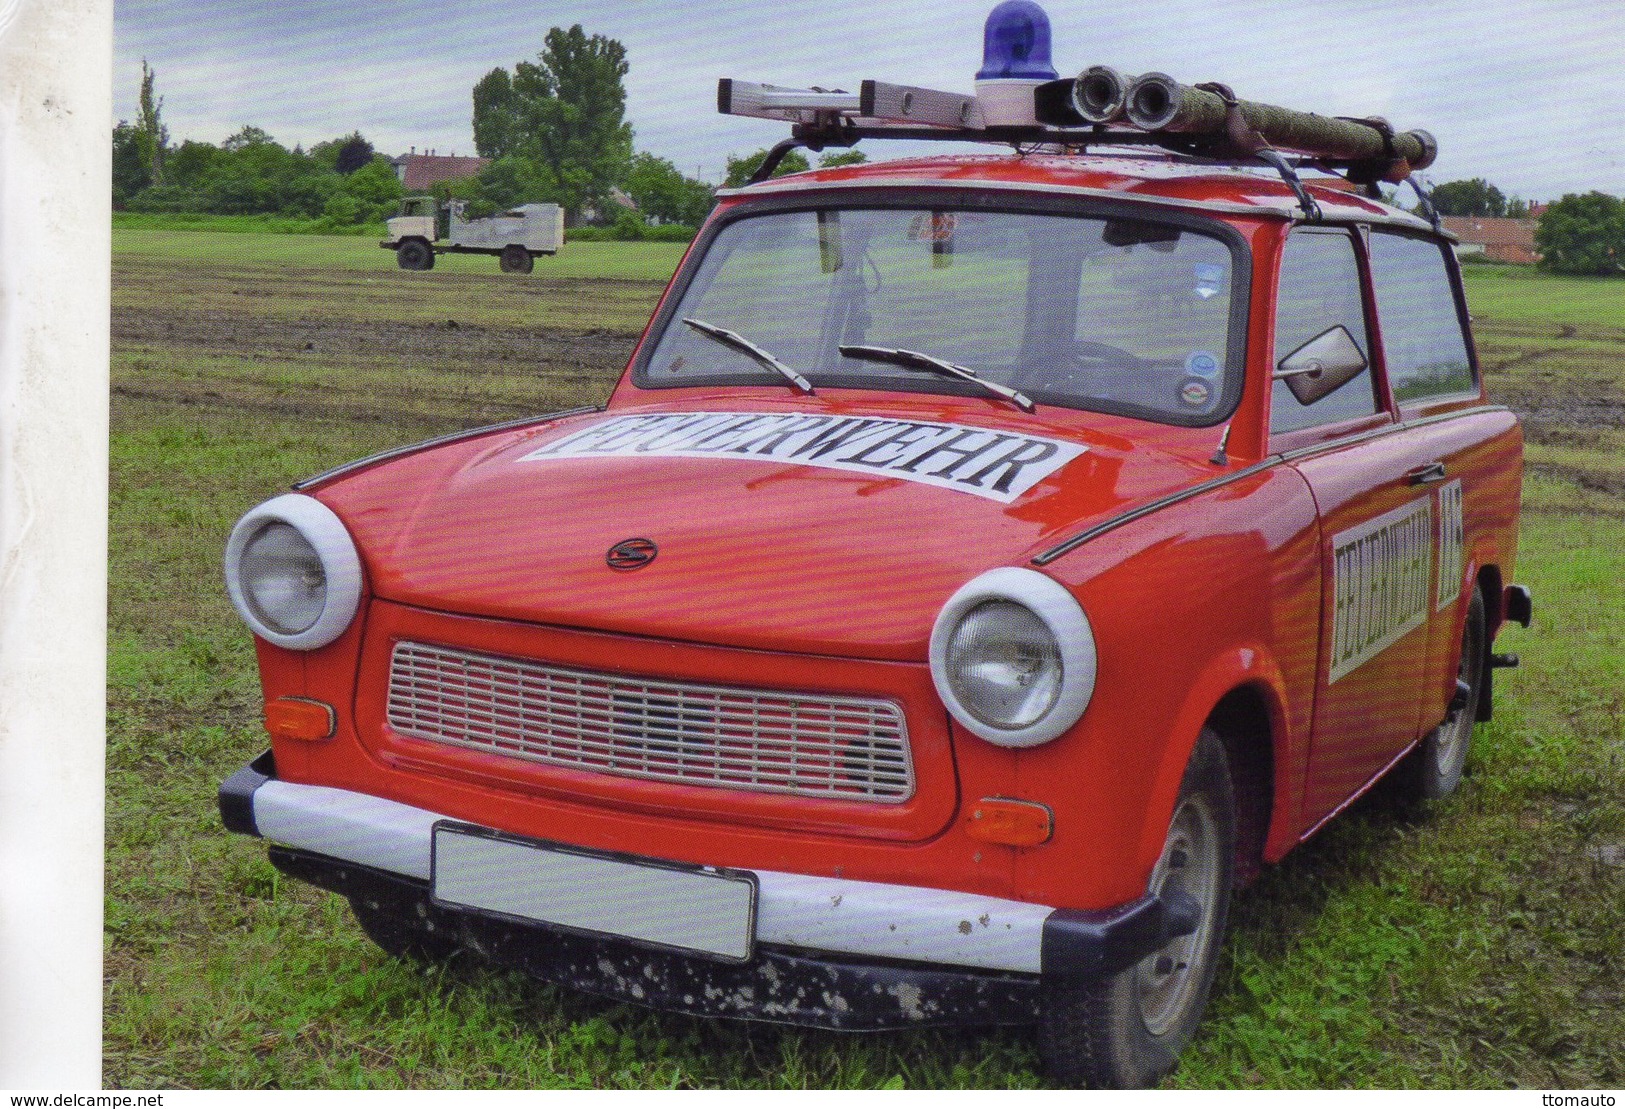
<point>516,259</point>
<point>414,254</point>
<point>1127,1031</point>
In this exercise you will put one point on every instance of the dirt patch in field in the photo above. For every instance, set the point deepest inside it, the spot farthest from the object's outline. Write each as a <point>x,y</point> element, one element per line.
<point>1565,382</point>
<point>441,341</point>
<point>428,377</point>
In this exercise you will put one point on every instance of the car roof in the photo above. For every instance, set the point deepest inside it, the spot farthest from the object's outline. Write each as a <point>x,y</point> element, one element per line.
<point>1134,177</point>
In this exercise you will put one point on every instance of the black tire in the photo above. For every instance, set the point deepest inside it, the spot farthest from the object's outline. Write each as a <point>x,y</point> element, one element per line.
<point>516,259</point>
<point>1434,769</point>
<point>1127,1031</point>
<point>414,254</point>
<point>400,937</point>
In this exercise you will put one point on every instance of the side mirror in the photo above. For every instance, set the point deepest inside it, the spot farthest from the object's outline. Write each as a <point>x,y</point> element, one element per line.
<point>1322,366</point>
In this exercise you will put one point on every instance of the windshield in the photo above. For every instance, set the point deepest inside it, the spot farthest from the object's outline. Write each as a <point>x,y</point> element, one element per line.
<point>1117,315</point>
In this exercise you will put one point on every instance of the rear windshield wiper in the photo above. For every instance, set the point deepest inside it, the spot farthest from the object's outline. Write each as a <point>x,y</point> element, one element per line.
<point>749,349</point>
<point>914,360</point>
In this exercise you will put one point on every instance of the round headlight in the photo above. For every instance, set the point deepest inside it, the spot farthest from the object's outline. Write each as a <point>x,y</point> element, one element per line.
<point>293,572</point>
<point>1004,665</point>
<point>1013,657</point>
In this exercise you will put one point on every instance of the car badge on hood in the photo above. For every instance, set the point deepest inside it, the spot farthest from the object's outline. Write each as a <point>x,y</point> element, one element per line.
<point>630,554</point>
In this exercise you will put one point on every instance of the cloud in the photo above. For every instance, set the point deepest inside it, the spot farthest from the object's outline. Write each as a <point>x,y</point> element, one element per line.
<point>1527,93</point>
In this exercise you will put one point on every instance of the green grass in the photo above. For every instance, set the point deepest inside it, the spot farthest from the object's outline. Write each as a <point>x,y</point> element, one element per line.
<point>250,224</point>
<point>1472,943</point>
<point>1522,293</point>
<point>167,244</point>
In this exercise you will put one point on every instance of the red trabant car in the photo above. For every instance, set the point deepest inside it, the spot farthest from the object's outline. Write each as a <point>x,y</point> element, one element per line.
<point>985,563</point>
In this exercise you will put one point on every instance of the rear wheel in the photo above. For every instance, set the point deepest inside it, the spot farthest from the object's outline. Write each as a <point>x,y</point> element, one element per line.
<point>1128,1030</point>
<point>414,254</point>
<point>516,259</point>
<point>1434,769</point>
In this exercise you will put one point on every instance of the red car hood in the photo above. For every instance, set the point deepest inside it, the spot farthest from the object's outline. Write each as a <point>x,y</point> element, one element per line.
<point>802,529</point>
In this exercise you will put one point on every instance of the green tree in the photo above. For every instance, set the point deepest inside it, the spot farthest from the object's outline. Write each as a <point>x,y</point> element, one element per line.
<point>188,163</point>
<point>741,169</point>
<point>843,158</point>
<point>369,195</point>
<point>1583,234</point>
<point>151,135</point>
<point>509,181</point>
<point>662,193</point>
<point>248,136</point>
<point>254,174</point>
<point>131,171</point>
<point>498,125</point>
<point>345,155</point>
<point>564,114</point>
<point>1469,198</point>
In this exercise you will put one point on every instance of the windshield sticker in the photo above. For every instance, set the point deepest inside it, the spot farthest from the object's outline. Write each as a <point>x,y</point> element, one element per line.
<point>932,227</point>
<point>1195,392</point>
<point>1209,280</point>
<point>1201,363</point>
<point>998,465</point>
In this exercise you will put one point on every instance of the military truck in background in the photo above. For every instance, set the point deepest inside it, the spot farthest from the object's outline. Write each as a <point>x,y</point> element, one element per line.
<point>425,227</point>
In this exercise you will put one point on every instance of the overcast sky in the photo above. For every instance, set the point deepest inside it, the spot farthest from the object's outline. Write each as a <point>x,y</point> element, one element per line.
<point>1529,94</point>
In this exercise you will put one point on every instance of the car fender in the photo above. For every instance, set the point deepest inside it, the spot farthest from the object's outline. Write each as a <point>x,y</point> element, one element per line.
<point>1239,666</point>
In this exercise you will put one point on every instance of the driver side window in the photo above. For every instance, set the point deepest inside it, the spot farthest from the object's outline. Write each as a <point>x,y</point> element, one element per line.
<point>1319,290</point>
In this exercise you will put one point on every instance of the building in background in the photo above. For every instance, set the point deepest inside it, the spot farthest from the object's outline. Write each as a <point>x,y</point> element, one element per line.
<point>421,172</point>
<point>1497,238</point>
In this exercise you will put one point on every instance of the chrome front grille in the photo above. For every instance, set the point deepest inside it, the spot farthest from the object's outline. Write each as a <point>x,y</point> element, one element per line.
<point>707,735</point>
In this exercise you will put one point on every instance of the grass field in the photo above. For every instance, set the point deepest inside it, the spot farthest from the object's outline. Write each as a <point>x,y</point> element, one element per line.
<point>1475,943</point>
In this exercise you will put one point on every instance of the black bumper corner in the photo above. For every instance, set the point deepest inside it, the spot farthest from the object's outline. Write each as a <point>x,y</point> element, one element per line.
<point>1079,946</point>
<point>237,794</point>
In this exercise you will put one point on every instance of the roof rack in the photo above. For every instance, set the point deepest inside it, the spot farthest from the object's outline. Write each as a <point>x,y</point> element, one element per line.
<point>1097,108</point>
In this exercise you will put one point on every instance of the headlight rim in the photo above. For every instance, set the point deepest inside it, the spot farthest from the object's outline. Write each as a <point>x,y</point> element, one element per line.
<point>1061,614</point>
<point>320,527</point>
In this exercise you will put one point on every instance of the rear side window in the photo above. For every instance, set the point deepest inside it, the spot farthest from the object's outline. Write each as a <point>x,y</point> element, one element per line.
<point>1422,333</point>
<point>1319,290</point>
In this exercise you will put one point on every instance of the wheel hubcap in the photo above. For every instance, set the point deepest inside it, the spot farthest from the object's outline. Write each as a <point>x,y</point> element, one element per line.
<point>1167,980</point>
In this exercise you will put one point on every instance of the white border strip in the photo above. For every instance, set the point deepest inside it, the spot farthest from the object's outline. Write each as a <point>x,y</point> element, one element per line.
<point>825,914</point>
<point>1381,571</point>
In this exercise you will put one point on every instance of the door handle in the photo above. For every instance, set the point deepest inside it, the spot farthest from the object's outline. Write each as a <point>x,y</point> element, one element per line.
<point>1425,474</point>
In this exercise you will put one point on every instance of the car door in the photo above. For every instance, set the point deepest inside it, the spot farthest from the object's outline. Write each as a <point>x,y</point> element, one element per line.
<point>1428,363</point>
<point>1373,491</point>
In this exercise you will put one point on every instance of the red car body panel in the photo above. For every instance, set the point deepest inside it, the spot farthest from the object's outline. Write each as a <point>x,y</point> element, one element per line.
<point>793,576</point>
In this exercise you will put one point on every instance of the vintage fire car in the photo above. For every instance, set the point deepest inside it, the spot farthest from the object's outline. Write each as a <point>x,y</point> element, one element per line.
<point>985,563</point>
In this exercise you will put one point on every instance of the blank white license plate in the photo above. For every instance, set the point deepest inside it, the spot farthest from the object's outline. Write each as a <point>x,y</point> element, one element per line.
<point>689,909</point>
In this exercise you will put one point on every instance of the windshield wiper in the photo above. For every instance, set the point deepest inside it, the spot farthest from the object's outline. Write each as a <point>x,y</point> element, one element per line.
<point>749,349</point>
<point>913,359</point>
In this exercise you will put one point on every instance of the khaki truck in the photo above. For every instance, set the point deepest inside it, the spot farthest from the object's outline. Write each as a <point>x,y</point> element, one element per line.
<point>426,227</point>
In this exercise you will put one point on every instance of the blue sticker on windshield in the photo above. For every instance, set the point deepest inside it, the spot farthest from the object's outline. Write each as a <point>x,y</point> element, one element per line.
<point>1201,363</point>
<point>1209,280</point>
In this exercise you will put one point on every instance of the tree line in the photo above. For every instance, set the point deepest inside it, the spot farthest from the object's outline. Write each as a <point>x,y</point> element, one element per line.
<point>554,129</point>
<point>1582,233</point>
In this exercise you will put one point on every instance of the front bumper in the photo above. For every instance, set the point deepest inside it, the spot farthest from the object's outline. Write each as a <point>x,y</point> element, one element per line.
<point>829,952</point>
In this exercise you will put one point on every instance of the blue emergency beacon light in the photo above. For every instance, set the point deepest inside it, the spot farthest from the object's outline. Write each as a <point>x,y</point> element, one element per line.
<point>1015,60</point>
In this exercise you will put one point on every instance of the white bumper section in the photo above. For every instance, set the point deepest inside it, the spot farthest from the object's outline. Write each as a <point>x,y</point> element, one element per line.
<point>822,914</point>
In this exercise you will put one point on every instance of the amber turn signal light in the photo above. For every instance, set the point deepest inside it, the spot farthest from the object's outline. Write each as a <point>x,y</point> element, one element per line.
<point>1013,823</point>
<point>297,718</point>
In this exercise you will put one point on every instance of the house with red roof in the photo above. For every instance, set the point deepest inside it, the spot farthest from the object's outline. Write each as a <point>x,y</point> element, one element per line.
<point>1498,238</point>
<point>421,172</point>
